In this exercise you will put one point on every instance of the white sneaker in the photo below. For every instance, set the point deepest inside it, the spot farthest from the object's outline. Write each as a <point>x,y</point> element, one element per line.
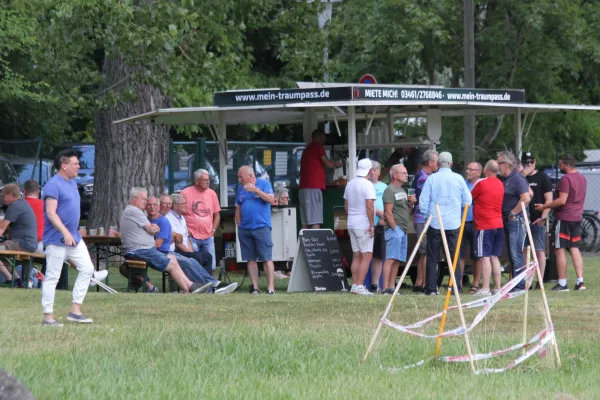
<point>227,289</point>
<point>360,289</point>
<point>99,276</point>
<point>280,275</point>
<point>482,293</point>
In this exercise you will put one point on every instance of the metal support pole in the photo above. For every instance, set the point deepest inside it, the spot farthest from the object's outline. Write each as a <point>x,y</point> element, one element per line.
<point>222,134</point>
<point>352,142</point>
<point>518,132</point>
<point>170,163</point>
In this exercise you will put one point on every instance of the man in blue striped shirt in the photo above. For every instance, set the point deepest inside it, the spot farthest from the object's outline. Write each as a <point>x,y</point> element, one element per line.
<point>450,192</point>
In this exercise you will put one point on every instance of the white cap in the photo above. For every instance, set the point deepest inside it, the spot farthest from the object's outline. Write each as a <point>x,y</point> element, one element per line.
<point>364,166</point>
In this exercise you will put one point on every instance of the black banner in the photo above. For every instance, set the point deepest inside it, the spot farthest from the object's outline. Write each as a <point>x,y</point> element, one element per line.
<point>382,93</point>
<point>282,96</point>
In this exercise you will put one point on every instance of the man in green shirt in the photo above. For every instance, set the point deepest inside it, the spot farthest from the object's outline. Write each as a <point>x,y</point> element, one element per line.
<point>396,204</point>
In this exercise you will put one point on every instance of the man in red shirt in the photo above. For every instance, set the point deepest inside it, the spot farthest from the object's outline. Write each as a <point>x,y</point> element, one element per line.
<point>32,197</point>
<point>488,195</point>
<point>312,181</point>
<point>568,214</point>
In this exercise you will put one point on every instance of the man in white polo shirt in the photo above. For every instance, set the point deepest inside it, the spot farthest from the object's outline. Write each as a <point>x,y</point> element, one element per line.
<point>359,202</point>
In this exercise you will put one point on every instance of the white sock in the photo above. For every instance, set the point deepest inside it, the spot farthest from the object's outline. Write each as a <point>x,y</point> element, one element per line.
<point>562,282</point>
<point>579,280</point>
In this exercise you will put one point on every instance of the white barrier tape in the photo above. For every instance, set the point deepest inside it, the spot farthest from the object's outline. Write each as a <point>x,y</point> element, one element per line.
<point>519,360</point>
<point>487,304</point>
<point>496,353</point>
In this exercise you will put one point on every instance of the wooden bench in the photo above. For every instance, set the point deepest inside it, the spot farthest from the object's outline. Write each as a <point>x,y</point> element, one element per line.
<point>13,256</point>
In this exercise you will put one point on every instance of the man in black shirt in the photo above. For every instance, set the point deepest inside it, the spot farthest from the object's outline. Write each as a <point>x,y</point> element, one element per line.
<point>541,187</point>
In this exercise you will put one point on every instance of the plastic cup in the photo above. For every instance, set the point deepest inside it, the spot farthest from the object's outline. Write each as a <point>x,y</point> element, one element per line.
<point>93,232</point>
<point>100,231</point>
<point>411,192</point>
<point>112,231</point>
<point>83,230</point>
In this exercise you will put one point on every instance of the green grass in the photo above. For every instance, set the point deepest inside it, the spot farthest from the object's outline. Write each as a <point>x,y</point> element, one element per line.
<point>285,346</point>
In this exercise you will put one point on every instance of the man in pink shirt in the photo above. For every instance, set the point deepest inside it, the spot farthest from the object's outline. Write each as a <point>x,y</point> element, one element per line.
<point>202,213</point>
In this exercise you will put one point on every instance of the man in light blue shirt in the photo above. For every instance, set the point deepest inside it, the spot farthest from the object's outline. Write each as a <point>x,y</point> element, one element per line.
<point>449,191</point>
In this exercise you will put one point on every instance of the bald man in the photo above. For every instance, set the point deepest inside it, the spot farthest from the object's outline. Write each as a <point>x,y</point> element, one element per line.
<point>253,218</point>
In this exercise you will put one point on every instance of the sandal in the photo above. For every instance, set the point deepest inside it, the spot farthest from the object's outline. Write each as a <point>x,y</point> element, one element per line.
<point>473,289</point>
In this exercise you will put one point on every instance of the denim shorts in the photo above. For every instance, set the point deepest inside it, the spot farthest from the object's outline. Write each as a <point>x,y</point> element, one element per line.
<point>396,244</point>
<point>538,234</point>
<point>256,244</point>
<point>154,258</point>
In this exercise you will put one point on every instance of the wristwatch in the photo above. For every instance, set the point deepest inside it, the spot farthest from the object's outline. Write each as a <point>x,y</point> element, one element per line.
<point>214,230</point>
<point>512,216</point>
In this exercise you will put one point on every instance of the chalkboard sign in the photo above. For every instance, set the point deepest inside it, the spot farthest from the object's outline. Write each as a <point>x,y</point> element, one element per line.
<point>318,264</point>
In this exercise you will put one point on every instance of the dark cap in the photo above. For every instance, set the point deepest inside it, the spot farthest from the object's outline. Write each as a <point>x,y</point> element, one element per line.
<point>527,156</point>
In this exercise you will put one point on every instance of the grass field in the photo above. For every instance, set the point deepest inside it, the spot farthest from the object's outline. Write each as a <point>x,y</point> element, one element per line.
<point>286,346</point>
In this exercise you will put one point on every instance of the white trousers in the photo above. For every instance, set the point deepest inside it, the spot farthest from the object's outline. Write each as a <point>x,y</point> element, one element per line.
<point>55,258</point>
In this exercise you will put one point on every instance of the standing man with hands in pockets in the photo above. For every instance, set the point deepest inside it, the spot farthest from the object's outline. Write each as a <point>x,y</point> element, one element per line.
<point>359,203</point>
<point>62,238</point>
<point>396,204</point>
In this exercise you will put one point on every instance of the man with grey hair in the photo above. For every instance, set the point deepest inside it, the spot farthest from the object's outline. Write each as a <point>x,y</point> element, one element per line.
<point>282,197</point>
<point>202,213</point>
<point>253,218</point>
<point>137,236</point>
<point>429,165</point>
<point>181,239</point>
<point>516,191</point>
<point>449,191</point>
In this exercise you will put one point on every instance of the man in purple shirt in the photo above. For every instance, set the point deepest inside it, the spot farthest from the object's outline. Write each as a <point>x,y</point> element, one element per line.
<point>61,238</point>
<point>429,164</point>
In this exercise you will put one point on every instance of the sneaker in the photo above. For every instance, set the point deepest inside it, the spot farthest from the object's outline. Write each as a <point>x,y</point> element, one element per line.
<point>494,291</point>
<point>153,290</point>
<point>360,289</point>
<point>254,290</point>
<point>560,288</point>
<point>199,287</point>
<point>388,291</point>
<point>430,292</point>
<point>51,323</point>
<point>79,318</point>
<point>280,275</point>
<point>99,276</point>
<point>375,289</point>
<point>580,286</point>
<point>270,291</point>
<point>418,289</point>
<point>227,289</point>
<point>538,286</point>
<point>482,293</point>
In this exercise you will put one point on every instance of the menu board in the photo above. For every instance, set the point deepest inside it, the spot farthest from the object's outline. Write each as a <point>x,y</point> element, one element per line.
<point>318,264</point>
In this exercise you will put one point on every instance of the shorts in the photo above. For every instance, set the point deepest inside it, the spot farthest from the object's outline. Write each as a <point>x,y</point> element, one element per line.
<point>11,245</point>
<point>468,240</point>
<point>256,244</point>
<point>396,244</point>
<point>418,230</point>
<point>379,243</point>
<point>567,234</point>
<point>154,258</point>
<point>488,243</point>
<point>311,206</point>
<point>361,241</point>
<point>538,233</point>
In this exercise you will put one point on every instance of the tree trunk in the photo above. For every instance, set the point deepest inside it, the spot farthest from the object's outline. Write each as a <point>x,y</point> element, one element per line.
<point>126,155</point>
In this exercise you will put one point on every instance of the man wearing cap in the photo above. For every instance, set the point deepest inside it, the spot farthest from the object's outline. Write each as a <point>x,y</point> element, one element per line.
<point>516,191</point>
<point>541,187</point>
<point>312,181</point>
<point>359,202</point>
<point>449,191</point>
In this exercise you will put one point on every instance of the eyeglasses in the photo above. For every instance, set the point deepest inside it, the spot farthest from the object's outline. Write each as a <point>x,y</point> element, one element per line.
<point>502,162</point>
<point>529,163</point>
<point>204,180</point>
<point>165,204</point>
<point>473,169</point>
<point>152,205</point>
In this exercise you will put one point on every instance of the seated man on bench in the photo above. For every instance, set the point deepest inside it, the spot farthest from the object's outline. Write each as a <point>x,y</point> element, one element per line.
<point>19,224</point>
<point>137,237</point>
<point>190,265</point>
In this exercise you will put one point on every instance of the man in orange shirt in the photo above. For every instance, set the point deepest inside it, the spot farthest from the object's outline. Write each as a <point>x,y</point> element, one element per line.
<point>32,197</point>
<point>202,213</point>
